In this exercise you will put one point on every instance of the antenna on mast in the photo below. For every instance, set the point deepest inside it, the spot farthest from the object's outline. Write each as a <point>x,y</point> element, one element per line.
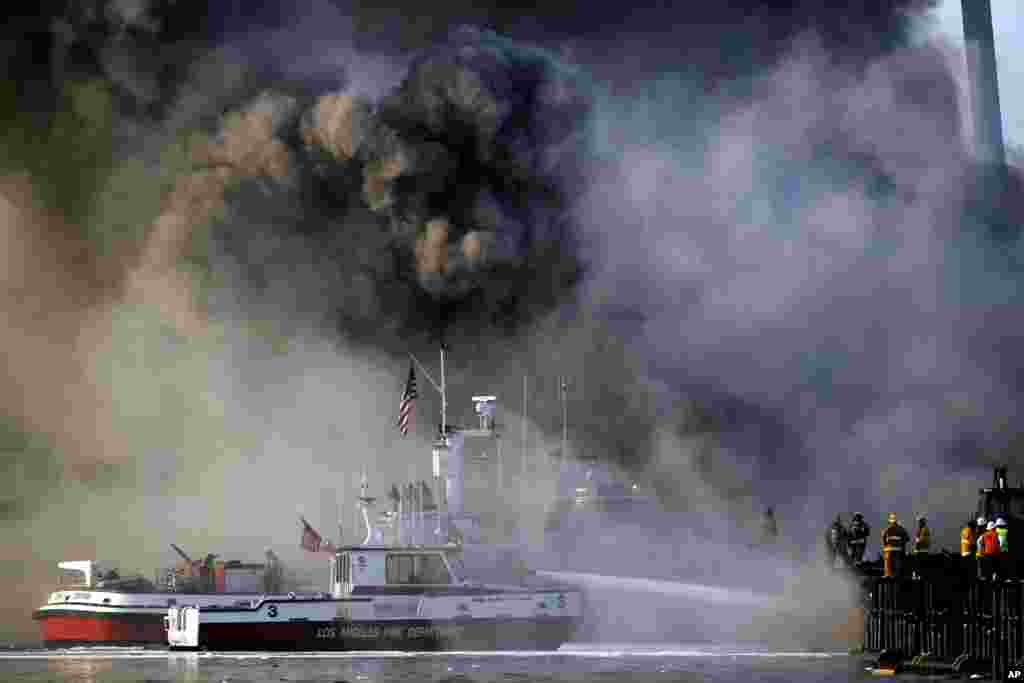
<point>373,534</point>
<point>522,436</point>
<point>444,396</point>
<point>563,382</point>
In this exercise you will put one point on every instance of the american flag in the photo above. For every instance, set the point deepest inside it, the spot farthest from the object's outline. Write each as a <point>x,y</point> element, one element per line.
<point>405,407</point>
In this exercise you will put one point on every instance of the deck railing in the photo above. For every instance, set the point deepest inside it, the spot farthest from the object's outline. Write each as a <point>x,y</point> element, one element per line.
<point>966,621</point>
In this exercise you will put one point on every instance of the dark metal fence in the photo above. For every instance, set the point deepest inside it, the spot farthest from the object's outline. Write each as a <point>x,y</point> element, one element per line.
<point>954,619</point>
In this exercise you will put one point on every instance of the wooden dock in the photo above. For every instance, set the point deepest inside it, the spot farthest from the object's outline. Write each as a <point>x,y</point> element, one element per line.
<point>952,620</point>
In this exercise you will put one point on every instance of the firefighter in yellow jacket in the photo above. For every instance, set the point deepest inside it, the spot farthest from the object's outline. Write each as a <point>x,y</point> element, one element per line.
<point>968,537</point>
<point>894,544</point>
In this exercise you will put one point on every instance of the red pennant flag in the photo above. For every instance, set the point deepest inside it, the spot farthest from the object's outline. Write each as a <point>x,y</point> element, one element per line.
<point>312,541</point>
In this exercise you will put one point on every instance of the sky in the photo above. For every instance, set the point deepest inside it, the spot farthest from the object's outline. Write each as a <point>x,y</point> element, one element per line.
<point>1008,26</point>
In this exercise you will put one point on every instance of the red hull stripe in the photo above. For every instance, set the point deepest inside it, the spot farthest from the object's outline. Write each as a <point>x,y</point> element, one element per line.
<point>133,616</point>
<point>104,629</point>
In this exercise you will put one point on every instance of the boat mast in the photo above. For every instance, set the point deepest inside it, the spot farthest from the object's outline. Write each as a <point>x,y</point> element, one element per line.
<point>439,499</point>
<point>338,507</point>
<point>564,386</point>
<point>444,399</point>
<point>440,388</point>
<point>442,442</point>
<point>522,438</point>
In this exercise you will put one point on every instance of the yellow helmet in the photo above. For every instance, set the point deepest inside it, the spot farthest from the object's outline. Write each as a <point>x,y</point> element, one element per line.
<point>892,518</point>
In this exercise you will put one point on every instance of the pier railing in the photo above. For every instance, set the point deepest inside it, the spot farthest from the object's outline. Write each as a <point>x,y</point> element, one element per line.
<point>973,624</point>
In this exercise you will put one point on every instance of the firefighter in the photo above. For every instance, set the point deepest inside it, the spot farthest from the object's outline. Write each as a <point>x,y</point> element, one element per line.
<point>859,533</point>
<point>968,537</point>
<point>988,552</point>
<point>272,573</point>
<point>197,576</point>
<point>835,543</point>
<point>208,573</point>
<point>830,549</point>
<point>894,544</point>
<point>1002,532</point>
<point>769,528</point>
<point>923,537</point>
<point>979,530</point>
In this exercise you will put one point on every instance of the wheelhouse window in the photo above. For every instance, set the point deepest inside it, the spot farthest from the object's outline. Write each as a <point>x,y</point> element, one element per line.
<point>400,569</point>
<point>416,569</point>
<point>431,569</point>
<point>72,578</point>
<point>458,565</point>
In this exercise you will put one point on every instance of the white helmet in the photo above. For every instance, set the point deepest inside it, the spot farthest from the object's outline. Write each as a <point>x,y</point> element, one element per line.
<point>990,526</point>
<point>981,521</point>
<point>1000,521</point>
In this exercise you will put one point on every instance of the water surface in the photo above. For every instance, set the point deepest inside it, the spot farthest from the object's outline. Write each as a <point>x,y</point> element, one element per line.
<point>577,664</point>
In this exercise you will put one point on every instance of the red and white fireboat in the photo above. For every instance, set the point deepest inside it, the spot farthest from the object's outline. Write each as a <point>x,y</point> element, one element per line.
<point>390,597</point>
<point>413,592</point>
<point>96,606</point>
<point>397,596</point>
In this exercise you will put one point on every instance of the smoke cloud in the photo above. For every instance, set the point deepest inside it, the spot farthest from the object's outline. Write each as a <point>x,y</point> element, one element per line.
<point>764,265</point>
<point>810,253</point>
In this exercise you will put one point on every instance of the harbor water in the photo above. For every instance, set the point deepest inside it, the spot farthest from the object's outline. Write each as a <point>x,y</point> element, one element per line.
<point>576,664</point>
<point>707,633</point>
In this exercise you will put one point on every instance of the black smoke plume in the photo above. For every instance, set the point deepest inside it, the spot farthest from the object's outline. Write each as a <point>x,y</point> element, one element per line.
<point>747,232</point>
<point>446,204</point>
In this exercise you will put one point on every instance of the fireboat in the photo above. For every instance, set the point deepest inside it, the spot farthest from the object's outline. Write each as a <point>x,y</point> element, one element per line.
<point>95,605</point>
<point>409,592</point>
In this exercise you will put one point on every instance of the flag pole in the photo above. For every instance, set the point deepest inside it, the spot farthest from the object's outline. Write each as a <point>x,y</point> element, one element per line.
<point>338,510</point>
<point>426,374</point>
<point>440,388</point>
<point>444,440</point>
<point>563,380</point>
<point>522,439</point>
<point>444,399</point>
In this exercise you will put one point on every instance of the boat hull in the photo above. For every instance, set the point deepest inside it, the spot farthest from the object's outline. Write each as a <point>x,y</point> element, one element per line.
<point>59,628</point>
<point>406,635</point>
<point>118,618</point>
